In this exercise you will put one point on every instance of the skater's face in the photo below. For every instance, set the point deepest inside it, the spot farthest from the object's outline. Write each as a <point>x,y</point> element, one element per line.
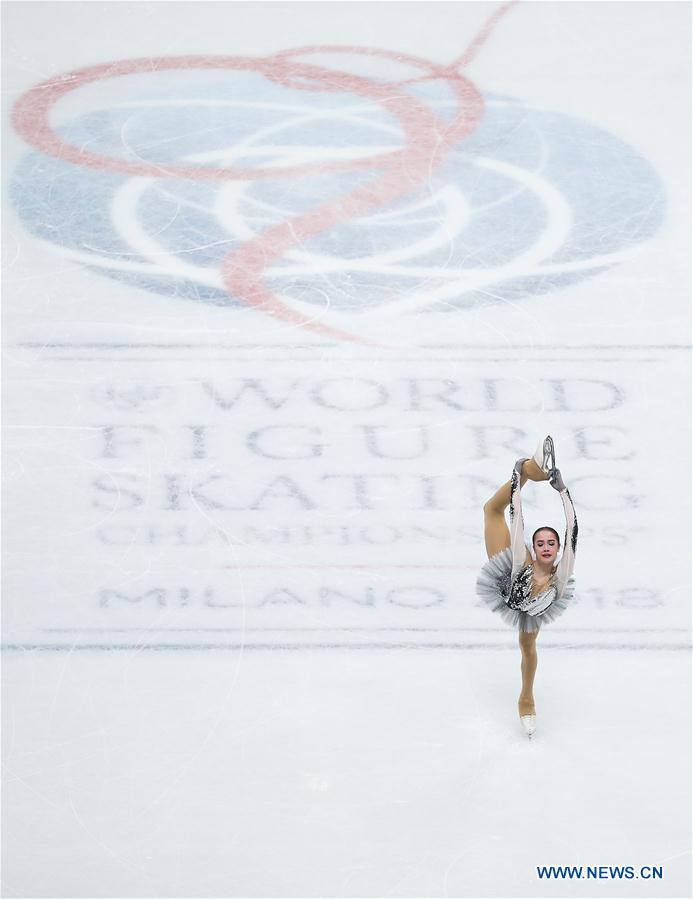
<point>546,546</point>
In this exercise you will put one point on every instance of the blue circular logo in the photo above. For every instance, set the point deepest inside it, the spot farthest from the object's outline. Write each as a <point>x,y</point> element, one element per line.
<point>532,200</point>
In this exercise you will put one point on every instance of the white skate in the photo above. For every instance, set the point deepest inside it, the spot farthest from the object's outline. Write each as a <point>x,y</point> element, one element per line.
<point>545,455</point>
<point>529,722</point>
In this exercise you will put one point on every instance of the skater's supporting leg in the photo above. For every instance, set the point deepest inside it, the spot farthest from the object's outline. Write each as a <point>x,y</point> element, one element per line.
<point>528,645</point>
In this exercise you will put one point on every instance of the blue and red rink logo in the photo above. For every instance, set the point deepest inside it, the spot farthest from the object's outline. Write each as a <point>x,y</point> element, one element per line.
<point>325,185</point>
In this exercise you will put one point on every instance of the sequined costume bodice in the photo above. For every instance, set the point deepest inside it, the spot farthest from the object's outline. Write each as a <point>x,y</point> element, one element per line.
<point>521,596</point>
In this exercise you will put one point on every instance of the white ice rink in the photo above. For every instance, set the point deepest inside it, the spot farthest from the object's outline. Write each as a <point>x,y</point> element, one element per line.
<point>288,289</point>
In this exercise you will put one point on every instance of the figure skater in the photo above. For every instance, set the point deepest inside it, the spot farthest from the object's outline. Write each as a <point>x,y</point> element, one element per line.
<point>527,589</point>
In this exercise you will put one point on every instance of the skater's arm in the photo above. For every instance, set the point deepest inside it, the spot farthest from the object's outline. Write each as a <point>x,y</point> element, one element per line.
<point>567,563</point>
<point>521,557</point>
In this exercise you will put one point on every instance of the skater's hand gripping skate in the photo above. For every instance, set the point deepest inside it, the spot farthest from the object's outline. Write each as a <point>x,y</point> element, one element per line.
<point>556,480</point>
<point>520,463</point>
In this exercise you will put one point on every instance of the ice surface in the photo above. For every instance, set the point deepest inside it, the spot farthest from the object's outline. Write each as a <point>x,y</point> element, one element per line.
<point>285,298</point>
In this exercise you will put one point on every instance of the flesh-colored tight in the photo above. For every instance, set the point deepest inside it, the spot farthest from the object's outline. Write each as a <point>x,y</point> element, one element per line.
<point>497,537</point>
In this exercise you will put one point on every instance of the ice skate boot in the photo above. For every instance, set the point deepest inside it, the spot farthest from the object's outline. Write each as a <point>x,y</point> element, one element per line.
<point>545,455</point>
<point>529,722</point>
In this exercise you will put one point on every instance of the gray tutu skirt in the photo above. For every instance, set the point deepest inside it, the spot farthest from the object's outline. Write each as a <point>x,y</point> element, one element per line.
<point>493,588</point>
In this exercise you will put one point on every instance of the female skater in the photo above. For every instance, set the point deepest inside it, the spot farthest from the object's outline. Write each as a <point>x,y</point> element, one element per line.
<point>523,589</point>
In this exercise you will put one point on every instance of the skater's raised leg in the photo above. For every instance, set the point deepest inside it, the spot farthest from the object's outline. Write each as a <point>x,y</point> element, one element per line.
<point>496,532</point>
